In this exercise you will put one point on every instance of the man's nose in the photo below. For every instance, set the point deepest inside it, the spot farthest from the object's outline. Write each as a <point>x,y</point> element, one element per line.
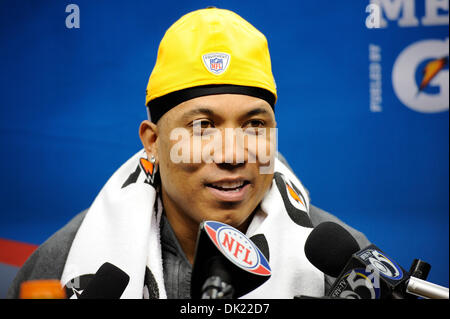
<point>233,151</point>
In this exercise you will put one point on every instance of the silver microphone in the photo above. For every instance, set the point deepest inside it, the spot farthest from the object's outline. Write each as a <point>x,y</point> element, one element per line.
<point>425,289</point>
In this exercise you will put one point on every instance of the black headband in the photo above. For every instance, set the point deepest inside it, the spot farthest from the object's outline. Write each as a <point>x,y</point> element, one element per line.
<point>159,106</point>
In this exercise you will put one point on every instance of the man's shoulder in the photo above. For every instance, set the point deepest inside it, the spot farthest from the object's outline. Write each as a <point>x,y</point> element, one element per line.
<point>318,215</point>
<point>48,260</point>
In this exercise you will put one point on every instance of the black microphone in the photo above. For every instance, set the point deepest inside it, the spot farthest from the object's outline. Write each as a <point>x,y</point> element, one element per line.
<point>109,282</point>
<point>329,247</point>
<point>227,264</point>
<point>363,274</point>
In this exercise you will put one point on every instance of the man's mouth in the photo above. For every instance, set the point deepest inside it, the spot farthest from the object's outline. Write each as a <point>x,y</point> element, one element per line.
<point>229,190</point>
<point>228,186</point>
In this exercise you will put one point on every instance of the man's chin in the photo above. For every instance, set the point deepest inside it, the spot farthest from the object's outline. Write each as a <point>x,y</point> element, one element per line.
<point>236,218</point>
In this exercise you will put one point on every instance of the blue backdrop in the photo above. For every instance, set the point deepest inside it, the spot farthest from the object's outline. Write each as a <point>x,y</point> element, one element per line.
<point>370,148</point>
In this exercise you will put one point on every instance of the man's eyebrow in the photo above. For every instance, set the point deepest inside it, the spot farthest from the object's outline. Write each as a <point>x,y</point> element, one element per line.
<point>257,111</point>
<point>198,111</point>
<point>210,113</point>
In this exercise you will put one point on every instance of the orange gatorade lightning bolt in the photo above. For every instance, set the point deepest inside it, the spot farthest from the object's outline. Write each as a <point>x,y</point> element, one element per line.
<point>147,167</point>
<point>431,69</point>
<point>294,194</point>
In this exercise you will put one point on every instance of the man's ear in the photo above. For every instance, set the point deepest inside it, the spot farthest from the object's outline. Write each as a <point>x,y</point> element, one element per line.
<point>148,132</point>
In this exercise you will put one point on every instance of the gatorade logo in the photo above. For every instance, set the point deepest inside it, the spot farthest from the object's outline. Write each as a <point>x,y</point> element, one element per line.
<point>420,76</point>
<point>237,248</point>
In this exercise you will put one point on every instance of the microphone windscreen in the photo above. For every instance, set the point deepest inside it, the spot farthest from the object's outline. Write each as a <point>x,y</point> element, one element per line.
<point>108,283</point>
<point>329,247</point>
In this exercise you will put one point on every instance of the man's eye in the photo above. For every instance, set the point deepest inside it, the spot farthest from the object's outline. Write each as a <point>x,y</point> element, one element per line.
<point>200,127</point>
<point>254,127</point>
<point>202,124</point>
<point>254,124</point>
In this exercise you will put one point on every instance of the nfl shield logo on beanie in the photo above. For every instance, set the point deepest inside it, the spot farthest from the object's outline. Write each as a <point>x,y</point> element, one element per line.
<point>216,63</point>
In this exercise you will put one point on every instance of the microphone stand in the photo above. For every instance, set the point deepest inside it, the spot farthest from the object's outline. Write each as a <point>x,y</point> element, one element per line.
<point>215,288</point>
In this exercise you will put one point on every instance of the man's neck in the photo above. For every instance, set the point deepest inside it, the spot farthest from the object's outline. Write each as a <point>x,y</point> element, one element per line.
<point>184,228</point>
<point>185,234</point>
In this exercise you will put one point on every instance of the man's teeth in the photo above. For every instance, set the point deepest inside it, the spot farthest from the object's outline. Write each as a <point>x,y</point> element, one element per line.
<point>228,185</point>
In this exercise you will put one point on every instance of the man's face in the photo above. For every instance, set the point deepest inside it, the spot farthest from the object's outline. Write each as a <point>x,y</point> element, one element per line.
<point>228,186</point>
